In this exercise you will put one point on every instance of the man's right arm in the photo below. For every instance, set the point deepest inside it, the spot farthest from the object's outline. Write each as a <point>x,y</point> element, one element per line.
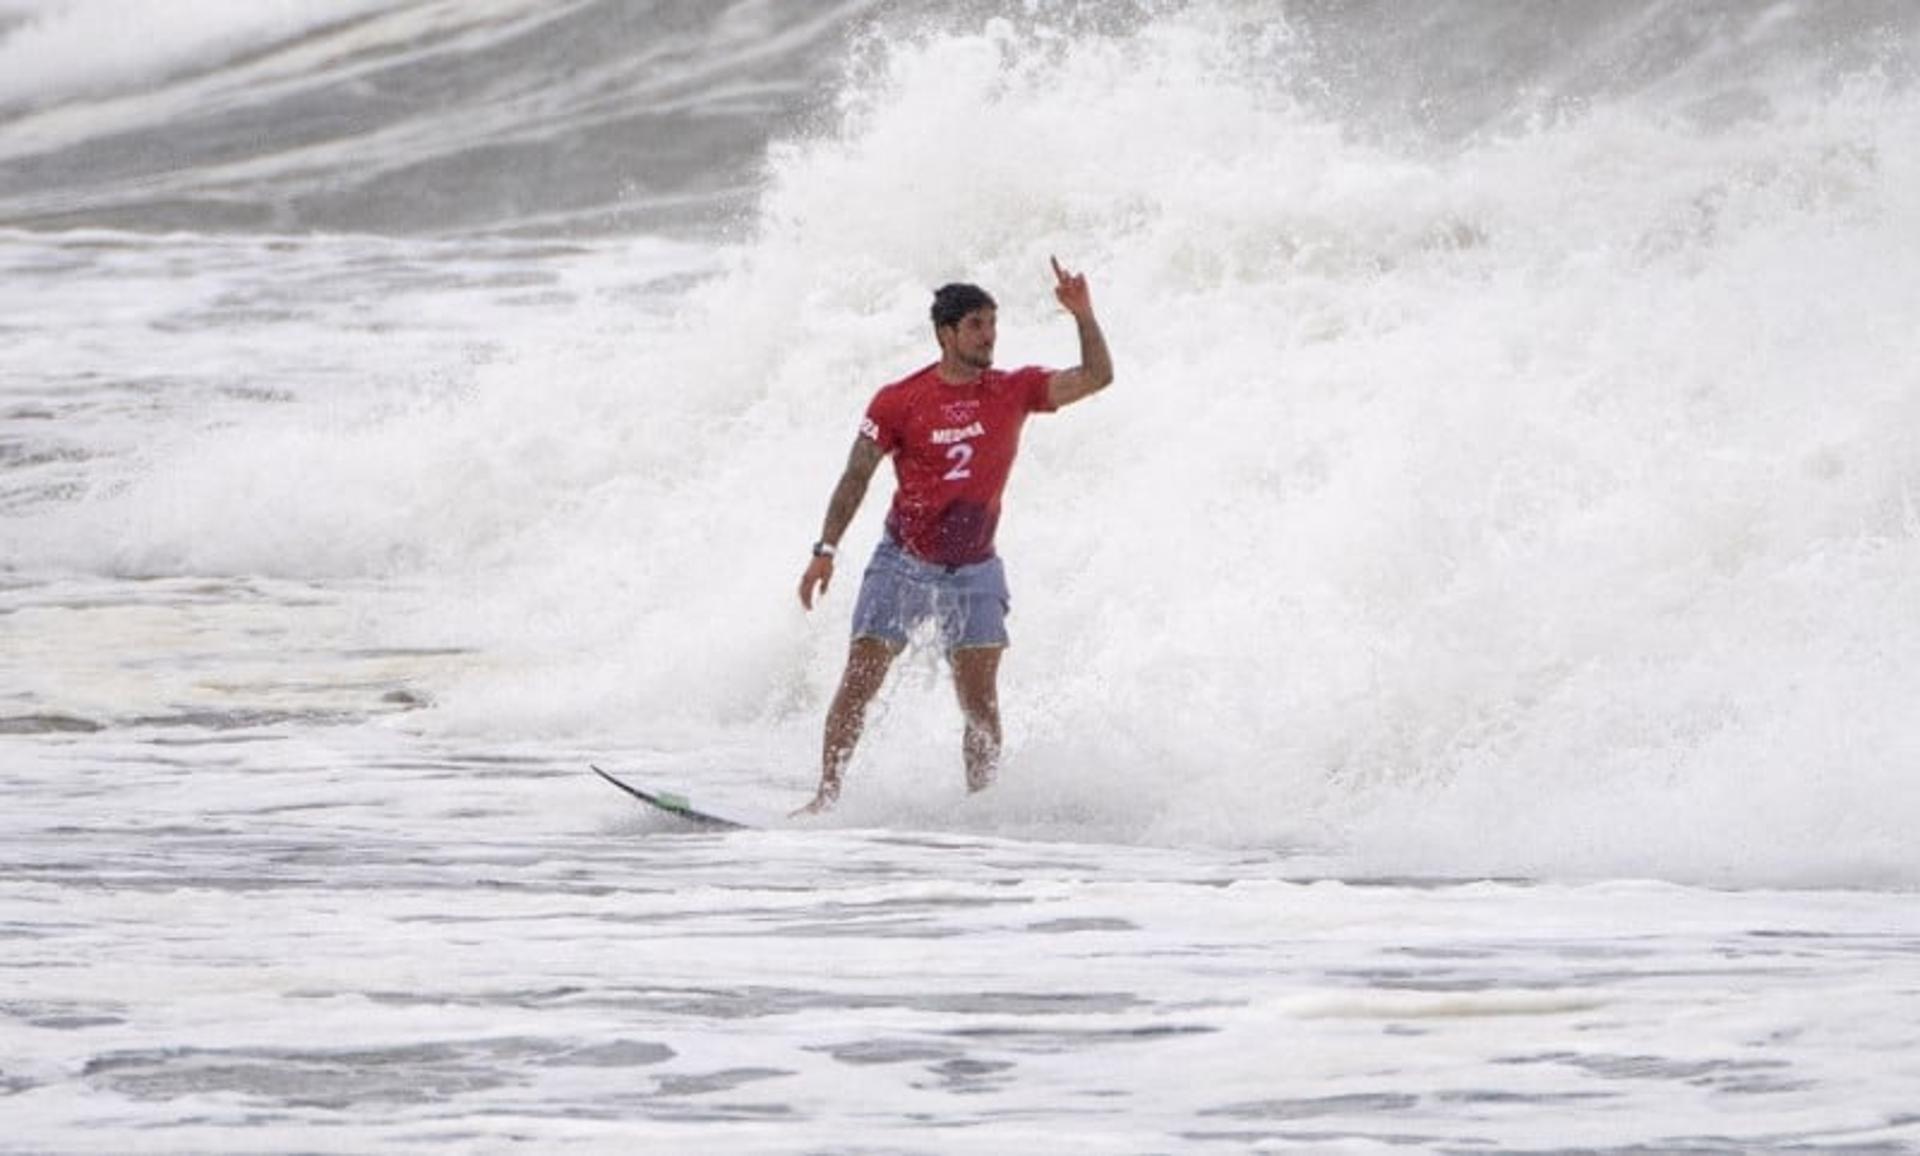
<point>862,460</point>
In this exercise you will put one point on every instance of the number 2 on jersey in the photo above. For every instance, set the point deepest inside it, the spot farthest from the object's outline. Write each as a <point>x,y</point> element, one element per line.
<point>960,454</point>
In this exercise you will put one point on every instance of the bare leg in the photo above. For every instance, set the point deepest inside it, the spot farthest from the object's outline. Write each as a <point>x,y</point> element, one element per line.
<point>976,676</point>
<point>867,663</point>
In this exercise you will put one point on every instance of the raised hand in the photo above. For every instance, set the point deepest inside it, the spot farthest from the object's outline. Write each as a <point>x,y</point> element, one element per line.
<point>1070,289</point>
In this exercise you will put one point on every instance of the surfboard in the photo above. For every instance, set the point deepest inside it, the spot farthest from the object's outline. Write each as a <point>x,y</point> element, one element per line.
<point>676,805</point>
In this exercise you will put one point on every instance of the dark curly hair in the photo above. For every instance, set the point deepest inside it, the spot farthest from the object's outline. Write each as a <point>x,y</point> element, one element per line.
<point>952,302</point>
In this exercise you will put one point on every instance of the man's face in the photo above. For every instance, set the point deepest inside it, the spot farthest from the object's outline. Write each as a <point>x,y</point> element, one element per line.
<point>971,341</point>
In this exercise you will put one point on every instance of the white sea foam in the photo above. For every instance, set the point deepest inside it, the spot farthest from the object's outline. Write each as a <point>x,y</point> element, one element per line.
<point>1535,500</point>
<point>1509,472</point>
<point>1541,504</point>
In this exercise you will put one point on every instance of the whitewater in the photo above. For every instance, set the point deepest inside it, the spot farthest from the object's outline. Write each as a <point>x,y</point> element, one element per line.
<point>1461,691</point>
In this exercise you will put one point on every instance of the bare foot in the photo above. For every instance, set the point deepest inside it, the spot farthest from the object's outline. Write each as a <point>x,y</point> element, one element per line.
<point>823,801</point>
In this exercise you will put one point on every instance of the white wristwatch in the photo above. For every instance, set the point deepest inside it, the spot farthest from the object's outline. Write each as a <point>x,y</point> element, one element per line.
<point>823,550</point>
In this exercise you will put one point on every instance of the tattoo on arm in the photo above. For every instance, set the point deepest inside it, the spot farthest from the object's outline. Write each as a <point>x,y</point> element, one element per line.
<point>847,495</point>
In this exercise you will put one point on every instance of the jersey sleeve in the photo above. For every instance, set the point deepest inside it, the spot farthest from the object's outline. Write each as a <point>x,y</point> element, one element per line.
<point>881,423</point>
<point>1034,384</point>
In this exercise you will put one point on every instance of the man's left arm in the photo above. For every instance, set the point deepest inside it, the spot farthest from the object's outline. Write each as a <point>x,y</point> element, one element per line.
<point>1095,371</point>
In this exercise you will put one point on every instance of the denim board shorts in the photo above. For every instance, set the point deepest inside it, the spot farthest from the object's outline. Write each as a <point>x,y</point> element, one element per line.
<point>967,605</point>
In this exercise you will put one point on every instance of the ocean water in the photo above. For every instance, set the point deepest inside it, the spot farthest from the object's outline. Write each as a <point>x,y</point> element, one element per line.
<point>1462,688</point>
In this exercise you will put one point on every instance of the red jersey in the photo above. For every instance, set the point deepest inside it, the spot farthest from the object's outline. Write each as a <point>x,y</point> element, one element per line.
<point>952,448</point>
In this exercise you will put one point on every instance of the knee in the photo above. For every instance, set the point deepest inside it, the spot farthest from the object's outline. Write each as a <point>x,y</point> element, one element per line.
<point>860,685</point>
<point>864,675</point>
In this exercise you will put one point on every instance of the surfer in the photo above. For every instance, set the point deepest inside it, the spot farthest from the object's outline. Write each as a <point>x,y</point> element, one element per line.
<point>952,429</point>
